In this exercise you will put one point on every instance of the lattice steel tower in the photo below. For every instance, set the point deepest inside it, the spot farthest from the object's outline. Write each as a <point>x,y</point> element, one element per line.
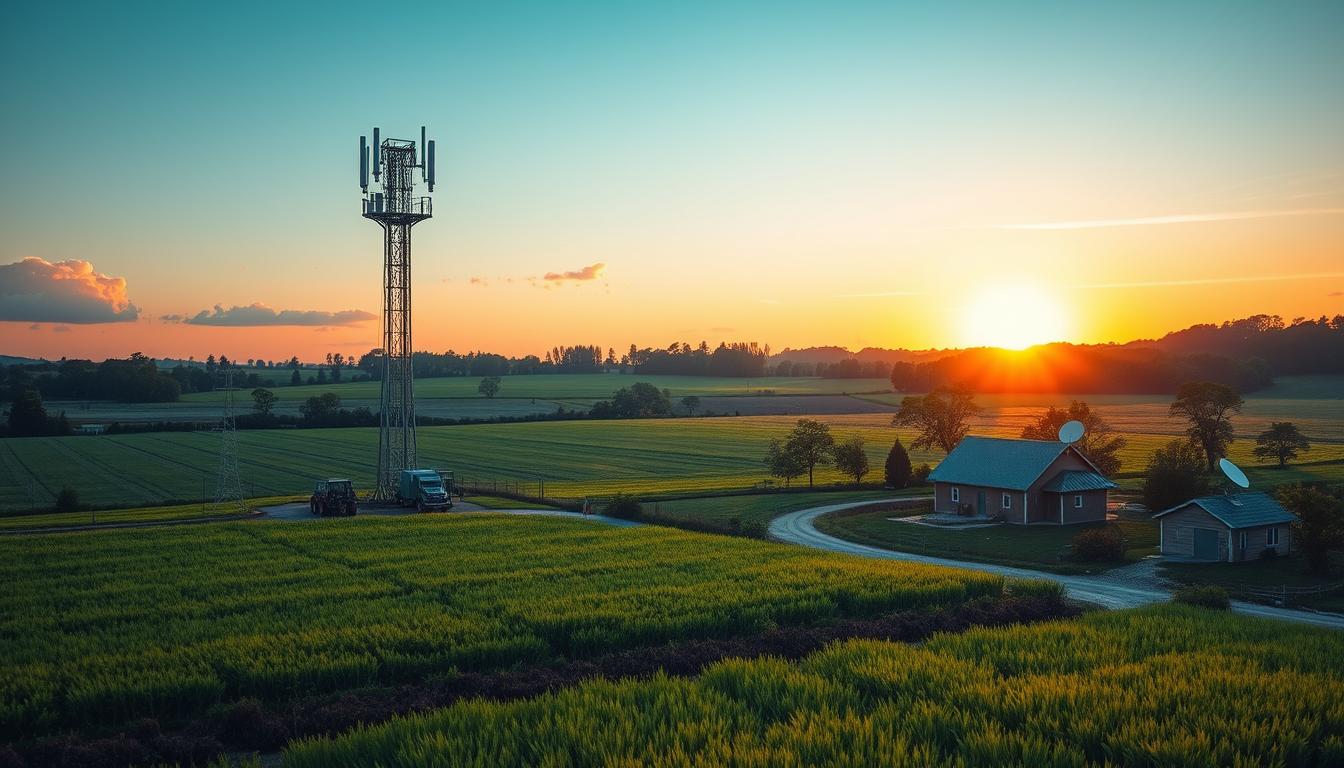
<point>397,209</point>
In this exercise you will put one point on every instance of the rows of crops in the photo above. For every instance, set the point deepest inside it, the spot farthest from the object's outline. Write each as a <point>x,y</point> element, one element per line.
<point>105,626</point>
<point>573,458</point>
<point>1164,686</point>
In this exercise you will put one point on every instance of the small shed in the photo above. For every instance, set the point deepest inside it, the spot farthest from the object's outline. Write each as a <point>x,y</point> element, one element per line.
<point>1227,528</point>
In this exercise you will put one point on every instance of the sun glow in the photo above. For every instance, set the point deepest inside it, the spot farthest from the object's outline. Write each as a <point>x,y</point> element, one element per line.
<point>1012,316</point>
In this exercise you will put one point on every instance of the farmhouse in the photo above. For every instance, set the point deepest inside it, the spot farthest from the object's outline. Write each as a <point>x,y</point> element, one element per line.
<point>1233,528</point>
<point>1024,481</point>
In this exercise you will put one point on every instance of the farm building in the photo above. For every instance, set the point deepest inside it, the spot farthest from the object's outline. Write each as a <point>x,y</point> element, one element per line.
<point>1025,481</point>
<point>1231,528</point>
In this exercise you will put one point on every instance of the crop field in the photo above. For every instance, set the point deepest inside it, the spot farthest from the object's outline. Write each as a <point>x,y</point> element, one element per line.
<point>98,628</point>
<point>574,459</point>
<point>1158,686</point>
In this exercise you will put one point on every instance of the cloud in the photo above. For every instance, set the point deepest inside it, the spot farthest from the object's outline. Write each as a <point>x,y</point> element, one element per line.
<point>1214,280</point>
<point>1335,293</point>
<point>36,290</point>
<point>260,314</point>
<point>875,295</point>
<point>1180,218</point>
<point>590,272</point>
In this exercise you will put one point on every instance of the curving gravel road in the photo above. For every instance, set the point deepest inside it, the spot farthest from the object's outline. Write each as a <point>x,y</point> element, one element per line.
<point>1111,591</point>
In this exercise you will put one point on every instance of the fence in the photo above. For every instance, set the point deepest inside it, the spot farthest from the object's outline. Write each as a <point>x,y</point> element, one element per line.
<point>1283,594</point>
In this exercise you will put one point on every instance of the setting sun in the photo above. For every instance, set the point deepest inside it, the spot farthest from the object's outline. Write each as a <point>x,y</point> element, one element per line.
<point>1012,316</point>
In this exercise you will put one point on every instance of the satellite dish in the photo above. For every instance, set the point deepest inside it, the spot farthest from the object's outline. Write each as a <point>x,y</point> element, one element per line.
<point>1234,473</point>
<point>1071,431</point>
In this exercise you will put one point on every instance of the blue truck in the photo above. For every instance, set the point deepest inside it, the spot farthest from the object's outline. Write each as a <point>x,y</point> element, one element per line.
<point>425,489</point>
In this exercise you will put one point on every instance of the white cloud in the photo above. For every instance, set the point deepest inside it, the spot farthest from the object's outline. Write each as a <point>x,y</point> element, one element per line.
<point>260,314</point>
<point>36,290</point>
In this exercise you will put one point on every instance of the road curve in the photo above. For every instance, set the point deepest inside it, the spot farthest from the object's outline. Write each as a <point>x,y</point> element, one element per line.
<point>799,528</point>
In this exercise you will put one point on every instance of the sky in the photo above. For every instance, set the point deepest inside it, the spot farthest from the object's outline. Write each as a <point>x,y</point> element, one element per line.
<point>182,179</point>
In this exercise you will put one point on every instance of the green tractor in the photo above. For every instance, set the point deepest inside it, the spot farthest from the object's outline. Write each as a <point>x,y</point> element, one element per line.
<point>334,498</point>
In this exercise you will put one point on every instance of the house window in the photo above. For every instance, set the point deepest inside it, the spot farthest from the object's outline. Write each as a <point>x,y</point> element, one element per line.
<point>956,494</point>
<point>1241,541</point>
<point>1078,501</point>
<point>1272,537</point>
<point>1007,501</point>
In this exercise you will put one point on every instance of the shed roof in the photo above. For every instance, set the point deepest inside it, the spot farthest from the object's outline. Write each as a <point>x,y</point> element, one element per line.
<point>1075,480</point>
<point>1239,510</point>
<point>997,462</point>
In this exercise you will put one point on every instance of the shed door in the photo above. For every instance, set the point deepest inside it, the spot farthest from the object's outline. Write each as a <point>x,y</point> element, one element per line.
<point>1206,544</point>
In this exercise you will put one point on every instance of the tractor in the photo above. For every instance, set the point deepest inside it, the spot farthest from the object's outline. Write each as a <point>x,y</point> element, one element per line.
<point>334,498</point>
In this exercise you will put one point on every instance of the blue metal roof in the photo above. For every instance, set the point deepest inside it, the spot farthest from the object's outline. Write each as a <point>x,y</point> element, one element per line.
<point>1240,510</point>
<point>997,462</point>
<point>1075,480</point>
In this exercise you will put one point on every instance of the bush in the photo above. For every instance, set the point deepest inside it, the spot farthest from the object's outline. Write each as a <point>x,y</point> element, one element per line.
<point>624,506</point>
<point>1203,595</point>
<point>1096,545</point>
<point>67,500</point>
<point>897,469</point>
<point>921,474</point>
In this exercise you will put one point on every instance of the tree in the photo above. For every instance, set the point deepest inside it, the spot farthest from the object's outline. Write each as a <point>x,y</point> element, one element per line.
<point>691,404</point>
<point>1320,524</point>
<point>263,400</point>
<point>1282,441</point>
<point>637,401</point>
<point>320,407</point>
<point>489,386</point>
<point>812,443</point>
<point>1175,475</point>
<point>67,500</point>
<point>321,375</point>
<point>295,379</point>
<point>27,417</point>
<point>897,469</point>
<point>782,462</point>
<point>851,458</point>
<point>1099,443</point>
<point>940,417</point>
<point>1209,408</point>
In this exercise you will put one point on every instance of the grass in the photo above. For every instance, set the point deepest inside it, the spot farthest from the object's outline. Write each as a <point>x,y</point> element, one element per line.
<point>1043,547</point>
<point>578,386</point>
<point>103,627</point>
<point>1265,574</point>
<point>575,459</point>
<point>194,511</point>
<point>760,509</point>
<point>1168,685</point>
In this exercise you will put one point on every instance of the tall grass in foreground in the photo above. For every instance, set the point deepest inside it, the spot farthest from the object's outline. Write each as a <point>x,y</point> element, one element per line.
<point>102,627</point>
<point>1161,686</point>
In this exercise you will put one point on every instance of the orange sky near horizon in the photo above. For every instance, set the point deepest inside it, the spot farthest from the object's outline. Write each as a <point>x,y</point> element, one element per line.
<point>852,174</point>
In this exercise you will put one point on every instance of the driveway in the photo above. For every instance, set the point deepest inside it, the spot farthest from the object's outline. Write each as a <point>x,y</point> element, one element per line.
<point>1127,587</point>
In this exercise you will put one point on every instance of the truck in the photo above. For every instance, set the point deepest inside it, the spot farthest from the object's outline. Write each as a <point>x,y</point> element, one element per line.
<point>334,497</point>
<point>425,490</point>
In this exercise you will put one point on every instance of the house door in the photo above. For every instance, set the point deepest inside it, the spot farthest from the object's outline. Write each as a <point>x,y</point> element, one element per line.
<point>1206,544</point>
<point>980,504</point>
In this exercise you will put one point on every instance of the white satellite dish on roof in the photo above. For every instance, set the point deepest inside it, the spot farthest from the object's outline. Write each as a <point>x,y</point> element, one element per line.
<point>1234,473</point>
<point>1071,431</point>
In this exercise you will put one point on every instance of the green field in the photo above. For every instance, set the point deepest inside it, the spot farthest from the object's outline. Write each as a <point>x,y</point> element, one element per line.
<point>573,458</point>
<point>158,514</point>
<point>1158,686</point>
<point>578,386</point>
<point>98,628</point>
<point>1044,547</point>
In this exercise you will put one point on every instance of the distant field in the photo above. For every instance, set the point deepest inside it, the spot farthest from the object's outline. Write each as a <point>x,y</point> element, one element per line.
<point>573,458</point>
<point>101,628</point>
<point>1161,686</point>
<point>581,387</point>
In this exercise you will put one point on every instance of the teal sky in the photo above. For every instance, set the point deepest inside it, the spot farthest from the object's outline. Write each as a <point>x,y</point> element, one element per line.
<point>722,160</point>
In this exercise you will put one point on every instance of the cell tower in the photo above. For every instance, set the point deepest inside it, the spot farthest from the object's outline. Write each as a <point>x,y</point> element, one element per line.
<point>397,209</point>
<point>229,485</point>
